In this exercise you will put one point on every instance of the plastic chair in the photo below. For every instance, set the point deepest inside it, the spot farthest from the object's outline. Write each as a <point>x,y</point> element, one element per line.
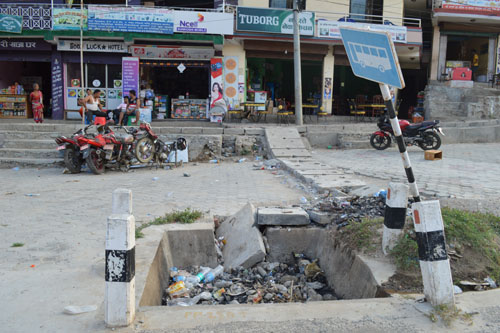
<point>99,121</point>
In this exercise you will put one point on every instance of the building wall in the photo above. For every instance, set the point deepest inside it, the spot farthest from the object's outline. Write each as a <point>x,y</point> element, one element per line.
<point>254,3</point>
<point>338,8</point>
<point>394,8</point>
<point>235,49</point>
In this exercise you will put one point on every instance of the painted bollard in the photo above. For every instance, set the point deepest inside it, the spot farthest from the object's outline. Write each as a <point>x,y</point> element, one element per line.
<point>394,215</point>
<point>119,303</point>
<point>432,254</point>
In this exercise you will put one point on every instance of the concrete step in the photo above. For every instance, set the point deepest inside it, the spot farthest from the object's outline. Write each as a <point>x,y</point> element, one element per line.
<point>361,144</point>
<point>29,144</point>
<point>27,135</point>
<point>10,162</point>
<point>30,153</point>
<point>39,127</point>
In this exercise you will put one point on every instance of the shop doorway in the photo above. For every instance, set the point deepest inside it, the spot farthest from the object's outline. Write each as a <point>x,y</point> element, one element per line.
<point>276,76</point>
<point>167,79</point>
<point>460,52</point>
<point>27,73</point>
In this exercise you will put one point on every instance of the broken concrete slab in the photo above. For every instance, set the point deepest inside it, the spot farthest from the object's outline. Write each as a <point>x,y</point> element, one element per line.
<point>319,216</point>
<point>244,244</point>
<point>365,191</point>
<point>282,216</point>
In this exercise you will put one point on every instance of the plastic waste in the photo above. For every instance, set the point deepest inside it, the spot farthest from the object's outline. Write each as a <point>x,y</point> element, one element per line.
<point>303,200</point>
<point>184,301</point>
<point>174,271</point>
<point>218,294</point>
<point>192,280</point>
<point>15,169</point>
<point>214,161</point>
<point>457,289</point>
<point>155,178</point>
<point>206,296</point>
<point>213,273</point>
<point>241,160</point>
<point>329,147</point>
<point>381,193</point>
<point>32,194</point>
<point>491,282</point>
<point>73,309</point>
<point>177,289</point>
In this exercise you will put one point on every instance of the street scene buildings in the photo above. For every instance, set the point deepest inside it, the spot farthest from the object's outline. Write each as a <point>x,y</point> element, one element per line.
<point>249,166</point>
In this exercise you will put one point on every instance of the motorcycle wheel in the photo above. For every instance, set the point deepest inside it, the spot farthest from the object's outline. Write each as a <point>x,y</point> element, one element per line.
<point>380,142</point>
<point>72,161</point>
<point>95,162</point>
<point>430,141</point>
<point>144,150</point>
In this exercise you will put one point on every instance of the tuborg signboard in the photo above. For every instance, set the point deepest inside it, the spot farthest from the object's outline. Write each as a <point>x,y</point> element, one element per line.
<point>273,20</point>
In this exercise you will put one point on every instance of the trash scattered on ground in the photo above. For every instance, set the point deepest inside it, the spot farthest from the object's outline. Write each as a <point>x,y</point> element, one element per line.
<point>491,283</point>
<point>214,161</point>
<point>32,194</point>
<point>186,174</point>
<point>473,285</point>
<point>303,200</point>
<point>66,171</point>
<point>73,309</point>
<point>265,282</point>
<point>241,160</point>
<point>15,169</point>
<point>381,193</point>
<point>457,290</point>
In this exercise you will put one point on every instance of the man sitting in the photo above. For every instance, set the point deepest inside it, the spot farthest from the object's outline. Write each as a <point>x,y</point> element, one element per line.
<point>131,109</point>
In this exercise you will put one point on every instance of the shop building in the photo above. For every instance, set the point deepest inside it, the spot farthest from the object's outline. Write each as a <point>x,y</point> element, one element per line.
<point>265,51</point>
<point>462,31</point>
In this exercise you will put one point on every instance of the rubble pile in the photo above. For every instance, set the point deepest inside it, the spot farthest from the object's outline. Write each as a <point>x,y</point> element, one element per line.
<point>340,211</point>
<point>265,282</point>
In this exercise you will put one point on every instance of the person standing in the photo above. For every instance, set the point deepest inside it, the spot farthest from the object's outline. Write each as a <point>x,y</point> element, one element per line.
<point>36,99</point>
<point>475,64</point>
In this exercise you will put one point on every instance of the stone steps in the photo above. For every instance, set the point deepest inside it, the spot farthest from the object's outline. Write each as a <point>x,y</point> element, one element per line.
<point>9,162</point>
<point>30,153</point>
<point>29,144</point>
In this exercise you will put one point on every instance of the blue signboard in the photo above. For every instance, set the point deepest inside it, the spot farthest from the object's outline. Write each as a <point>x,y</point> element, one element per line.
<point>372,56</point>
<point>11,23</point>
<point>131,19</point>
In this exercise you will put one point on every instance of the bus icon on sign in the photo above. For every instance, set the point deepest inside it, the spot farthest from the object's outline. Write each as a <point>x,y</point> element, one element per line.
<point>370,56</point>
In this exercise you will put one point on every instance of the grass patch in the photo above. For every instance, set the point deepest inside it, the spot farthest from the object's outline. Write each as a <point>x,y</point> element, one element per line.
<point>405,253</point>
<point>185,216</point>
<point>362,235</point>
<point>17,245</point>
<point>478,231</point>
<point>448,314</point>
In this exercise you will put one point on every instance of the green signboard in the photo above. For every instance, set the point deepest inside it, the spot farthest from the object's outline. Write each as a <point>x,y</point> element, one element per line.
<point>273,20</point>
<point>68,19</point>
<point>11,23</point>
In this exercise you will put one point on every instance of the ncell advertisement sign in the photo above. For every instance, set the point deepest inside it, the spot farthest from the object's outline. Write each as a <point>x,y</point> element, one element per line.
<point>203,22</point>
<point>273,20</point>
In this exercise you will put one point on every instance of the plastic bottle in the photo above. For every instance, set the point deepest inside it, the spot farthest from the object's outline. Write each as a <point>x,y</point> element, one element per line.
<point>214,273</point>
<point>192,280</point>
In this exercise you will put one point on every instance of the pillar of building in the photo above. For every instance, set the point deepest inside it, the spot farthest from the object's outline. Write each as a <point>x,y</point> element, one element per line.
<point>234,48</point>
<point>491,56</point>
<point>435,54</point>
<point>443,44</point>
<point>327,90</point>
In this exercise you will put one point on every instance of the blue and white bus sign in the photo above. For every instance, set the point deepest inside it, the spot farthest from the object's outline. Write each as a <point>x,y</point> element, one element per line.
<point>372,56</point>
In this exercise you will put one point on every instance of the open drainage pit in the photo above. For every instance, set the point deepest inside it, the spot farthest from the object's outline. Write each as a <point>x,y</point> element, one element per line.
<point>301,264</point>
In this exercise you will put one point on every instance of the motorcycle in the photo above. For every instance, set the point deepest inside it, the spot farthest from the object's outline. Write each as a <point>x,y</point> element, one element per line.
<point>73,159</point>
<point>151,148</point>
<point>424,134</point>
<point>108,149</point>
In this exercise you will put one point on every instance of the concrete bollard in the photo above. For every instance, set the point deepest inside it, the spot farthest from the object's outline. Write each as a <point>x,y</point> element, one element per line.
<point>119,302</point>
<point>395,215</point>
<point>434,262</point>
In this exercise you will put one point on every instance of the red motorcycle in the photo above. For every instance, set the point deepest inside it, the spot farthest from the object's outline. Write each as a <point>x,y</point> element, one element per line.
<point>424,134</point>
<point>73,158</point>
<point>108,149</point>
<point>151,148</point>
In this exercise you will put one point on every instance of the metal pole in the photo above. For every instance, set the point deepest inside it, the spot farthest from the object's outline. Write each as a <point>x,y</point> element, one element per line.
<point>384,88</point>
<point>296,63</point>
<point>81,58</point>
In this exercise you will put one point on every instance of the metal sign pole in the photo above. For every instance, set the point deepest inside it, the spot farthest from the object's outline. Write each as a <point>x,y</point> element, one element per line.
<point>296,63</point>
<point>384,88</point>
<point>81,58</point>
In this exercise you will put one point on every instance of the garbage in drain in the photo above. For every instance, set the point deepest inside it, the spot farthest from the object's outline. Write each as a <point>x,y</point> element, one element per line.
<point>265,282</point>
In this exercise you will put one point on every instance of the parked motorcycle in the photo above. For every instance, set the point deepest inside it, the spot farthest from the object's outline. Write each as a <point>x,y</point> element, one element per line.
<point>108,149</point>
<point>151,148</point>
<point>424,134</point>
<point>73,159</point>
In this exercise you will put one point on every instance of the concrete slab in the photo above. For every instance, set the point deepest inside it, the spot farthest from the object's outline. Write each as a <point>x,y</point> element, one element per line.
<point>282,216</point>
<point>274,133</point>
<point>319,217</point>
<point>291,152</point>
<point>286,143</point>
<point>334,181</point>
<point>366,191</point>
<point>244,244</point>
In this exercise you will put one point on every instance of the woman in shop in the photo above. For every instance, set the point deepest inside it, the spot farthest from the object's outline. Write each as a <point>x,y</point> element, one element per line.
<point>132,108</point>
<point>36,99</point>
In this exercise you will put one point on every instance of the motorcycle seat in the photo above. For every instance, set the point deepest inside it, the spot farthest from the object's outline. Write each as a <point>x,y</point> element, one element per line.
<point>419,125</point>
<point>125,139</point>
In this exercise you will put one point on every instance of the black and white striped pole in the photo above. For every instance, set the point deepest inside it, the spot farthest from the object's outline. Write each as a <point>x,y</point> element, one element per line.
<point>394,215</point>
<point>428,222</point>
<point>432,255</point>
<point>119,302</point>
<point>384,88</point>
